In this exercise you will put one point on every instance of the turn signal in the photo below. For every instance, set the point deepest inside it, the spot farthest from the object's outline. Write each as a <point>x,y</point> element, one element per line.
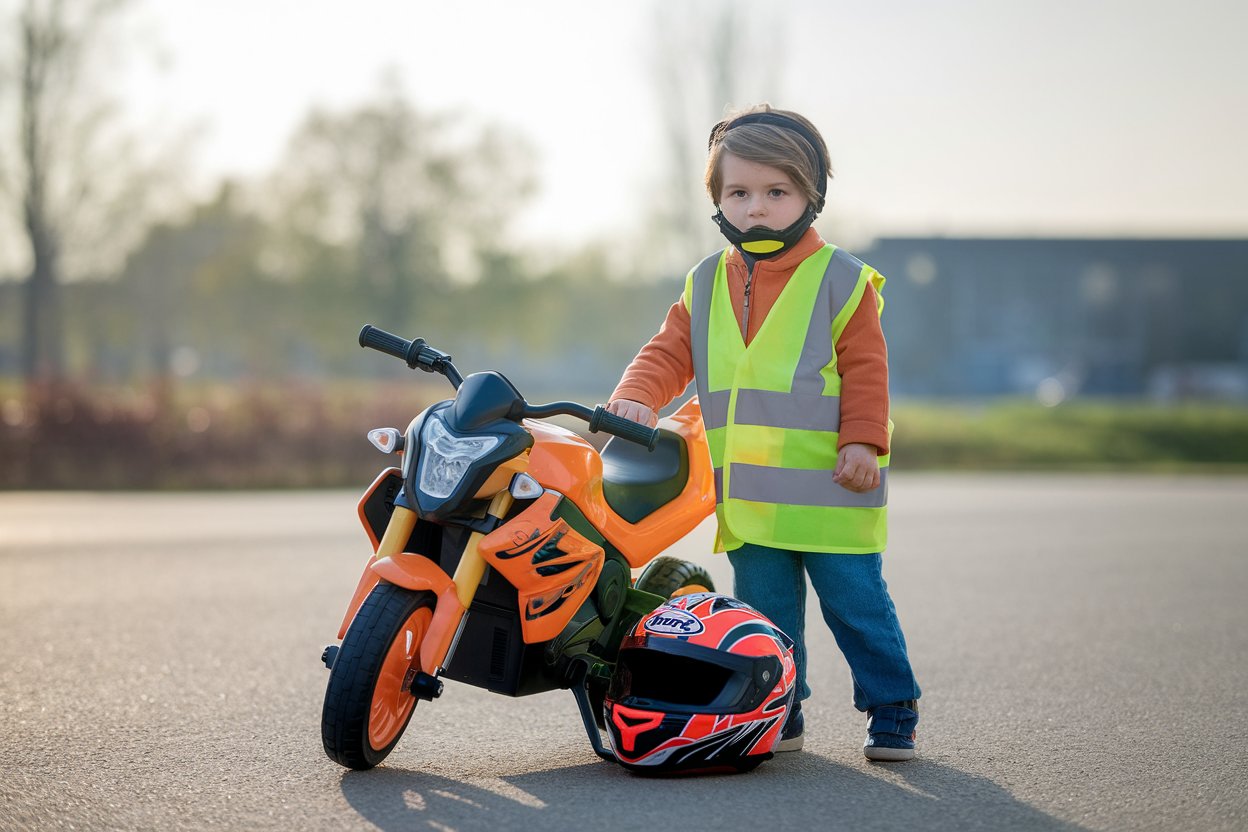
<point>386,440</point>
<point>524,487</point>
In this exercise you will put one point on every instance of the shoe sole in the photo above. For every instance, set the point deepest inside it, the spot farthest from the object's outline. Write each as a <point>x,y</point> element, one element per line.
<point>888,755</point>
<point>791,744</point>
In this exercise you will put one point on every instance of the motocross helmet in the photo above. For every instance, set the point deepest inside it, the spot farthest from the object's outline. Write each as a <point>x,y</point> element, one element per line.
<point>702,684</point>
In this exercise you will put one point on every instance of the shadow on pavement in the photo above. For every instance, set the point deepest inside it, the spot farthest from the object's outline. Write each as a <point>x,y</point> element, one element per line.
<point>794,791</point>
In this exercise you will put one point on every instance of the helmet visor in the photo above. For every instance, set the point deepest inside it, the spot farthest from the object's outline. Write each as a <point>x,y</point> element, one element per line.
<point>671,675</point>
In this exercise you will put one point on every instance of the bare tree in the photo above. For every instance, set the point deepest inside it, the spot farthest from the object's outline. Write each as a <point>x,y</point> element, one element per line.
<point>706,58</point>
<point>55,175</point>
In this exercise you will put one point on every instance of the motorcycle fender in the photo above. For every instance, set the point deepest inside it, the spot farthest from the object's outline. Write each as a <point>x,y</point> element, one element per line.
<point>418,573</point>
<point>367,581</point>
<point>410,571</point>
<point>414,572</point>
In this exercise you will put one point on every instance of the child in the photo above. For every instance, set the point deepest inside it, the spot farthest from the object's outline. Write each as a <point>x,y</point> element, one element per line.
<point>781,334</point>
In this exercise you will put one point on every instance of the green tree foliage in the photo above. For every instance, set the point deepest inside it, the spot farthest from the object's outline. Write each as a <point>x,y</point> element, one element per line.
<point>377,214</point>
<point>378,209</point>
<point>193,296</point>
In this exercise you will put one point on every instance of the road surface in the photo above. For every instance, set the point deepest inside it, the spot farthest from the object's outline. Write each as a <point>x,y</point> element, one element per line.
<point>1082,642</point>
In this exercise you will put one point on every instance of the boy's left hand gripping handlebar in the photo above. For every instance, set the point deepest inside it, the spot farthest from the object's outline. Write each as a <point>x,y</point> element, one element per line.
<point>607,422</point>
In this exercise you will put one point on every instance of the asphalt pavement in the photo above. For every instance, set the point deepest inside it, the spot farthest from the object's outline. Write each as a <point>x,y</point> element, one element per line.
<point>1082,643</point>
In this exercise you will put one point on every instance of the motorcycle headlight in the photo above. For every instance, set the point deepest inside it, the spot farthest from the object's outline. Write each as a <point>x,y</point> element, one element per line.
<point>444,458</point>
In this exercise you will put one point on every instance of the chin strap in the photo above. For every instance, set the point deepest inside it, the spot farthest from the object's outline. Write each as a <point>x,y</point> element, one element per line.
<point>760,242</point>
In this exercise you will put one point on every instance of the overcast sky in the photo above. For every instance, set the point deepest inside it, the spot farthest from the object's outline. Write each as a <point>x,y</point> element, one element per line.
<point>957,117</point>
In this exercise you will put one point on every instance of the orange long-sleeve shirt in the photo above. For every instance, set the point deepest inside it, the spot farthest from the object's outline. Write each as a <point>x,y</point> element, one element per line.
<point>664,366</point>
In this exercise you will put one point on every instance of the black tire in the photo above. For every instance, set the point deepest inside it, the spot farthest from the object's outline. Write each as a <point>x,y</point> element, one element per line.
<point>667,576</point>
<point>345,720</point>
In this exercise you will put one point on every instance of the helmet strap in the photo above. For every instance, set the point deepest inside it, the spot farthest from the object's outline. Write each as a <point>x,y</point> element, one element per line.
<point>761,243</point>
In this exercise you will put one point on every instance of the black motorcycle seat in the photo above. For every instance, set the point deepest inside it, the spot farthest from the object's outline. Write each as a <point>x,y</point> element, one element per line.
<point>637,482</point>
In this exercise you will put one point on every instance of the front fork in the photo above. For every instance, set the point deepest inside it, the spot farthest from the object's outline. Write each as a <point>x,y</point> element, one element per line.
<point>419,573</point>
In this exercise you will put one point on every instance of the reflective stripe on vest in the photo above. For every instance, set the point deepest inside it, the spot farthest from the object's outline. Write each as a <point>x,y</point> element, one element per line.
<point>772,409</point>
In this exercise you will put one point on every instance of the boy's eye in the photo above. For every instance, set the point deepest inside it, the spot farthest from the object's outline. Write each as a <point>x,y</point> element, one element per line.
<point>777,192</point>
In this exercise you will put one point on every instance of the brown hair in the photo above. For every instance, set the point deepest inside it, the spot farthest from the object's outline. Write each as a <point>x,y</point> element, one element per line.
<point>770,144</point>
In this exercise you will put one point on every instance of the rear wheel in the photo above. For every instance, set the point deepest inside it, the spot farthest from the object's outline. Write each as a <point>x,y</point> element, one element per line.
<point>367,707</point>
<point>671,577</point>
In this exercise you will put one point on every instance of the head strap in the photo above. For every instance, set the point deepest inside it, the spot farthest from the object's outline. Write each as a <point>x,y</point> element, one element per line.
<point>784,122</point>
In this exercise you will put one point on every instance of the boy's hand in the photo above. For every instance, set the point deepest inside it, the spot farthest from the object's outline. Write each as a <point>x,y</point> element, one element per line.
<point>857,467</point>
<point>635,411</point>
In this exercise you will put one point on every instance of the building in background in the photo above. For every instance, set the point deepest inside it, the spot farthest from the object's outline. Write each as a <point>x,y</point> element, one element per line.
<point>1057,318</point>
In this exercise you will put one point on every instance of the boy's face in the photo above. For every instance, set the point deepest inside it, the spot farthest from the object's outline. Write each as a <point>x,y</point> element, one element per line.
<point>755,195</point>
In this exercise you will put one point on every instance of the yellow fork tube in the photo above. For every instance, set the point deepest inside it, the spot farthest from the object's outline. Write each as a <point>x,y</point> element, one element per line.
<point>471,564</point>
<point>398,530</point>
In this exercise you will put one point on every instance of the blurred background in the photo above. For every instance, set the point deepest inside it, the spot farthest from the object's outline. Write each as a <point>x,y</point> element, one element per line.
<point>201,204</point>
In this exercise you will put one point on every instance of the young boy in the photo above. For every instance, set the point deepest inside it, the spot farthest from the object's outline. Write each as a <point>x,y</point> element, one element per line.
<point>781,334</point>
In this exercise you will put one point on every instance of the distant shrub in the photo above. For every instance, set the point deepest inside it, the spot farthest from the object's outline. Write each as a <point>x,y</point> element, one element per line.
<point>1007,434</point>
<point>295,435</point>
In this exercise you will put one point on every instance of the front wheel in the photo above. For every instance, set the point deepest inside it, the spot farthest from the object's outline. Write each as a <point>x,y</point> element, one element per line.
<point>670,577</point>
<point>367,707</point>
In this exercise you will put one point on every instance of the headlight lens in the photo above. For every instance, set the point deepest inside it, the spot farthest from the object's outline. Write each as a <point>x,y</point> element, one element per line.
<point>444,459</point>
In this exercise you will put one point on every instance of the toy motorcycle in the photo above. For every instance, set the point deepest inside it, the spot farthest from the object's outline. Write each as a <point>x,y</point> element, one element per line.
<point>503,553</point>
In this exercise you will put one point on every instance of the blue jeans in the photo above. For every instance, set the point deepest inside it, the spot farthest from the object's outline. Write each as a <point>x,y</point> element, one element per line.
<point>855,603</point>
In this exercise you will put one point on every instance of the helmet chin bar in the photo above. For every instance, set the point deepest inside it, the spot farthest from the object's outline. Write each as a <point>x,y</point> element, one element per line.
<point>761,243</point>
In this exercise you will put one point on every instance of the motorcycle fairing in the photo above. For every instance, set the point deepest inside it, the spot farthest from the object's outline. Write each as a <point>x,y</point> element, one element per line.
<point>377,504</point>
<point>553,567</point>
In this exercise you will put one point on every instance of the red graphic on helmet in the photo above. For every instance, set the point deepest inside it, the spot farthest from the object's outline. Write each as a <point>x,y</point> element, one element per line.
<point>704,683</point>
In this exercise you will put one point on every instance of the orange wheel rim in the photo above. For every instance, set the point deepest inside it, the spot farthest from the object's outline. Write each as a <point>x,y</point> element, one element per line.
<point>689,590</point>
<point>391,704</point>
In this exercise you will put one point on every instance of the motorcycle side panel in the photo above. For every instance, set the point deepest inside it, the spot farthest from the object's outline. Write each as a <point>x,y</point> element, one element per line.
<point>491,654</point>
<point>553,567</point>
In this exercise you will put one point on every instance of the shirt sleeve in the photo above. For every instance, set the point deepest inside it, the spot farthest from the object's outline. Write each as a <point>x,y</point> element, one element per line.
<point>862,360</point>
<point>664,366</point>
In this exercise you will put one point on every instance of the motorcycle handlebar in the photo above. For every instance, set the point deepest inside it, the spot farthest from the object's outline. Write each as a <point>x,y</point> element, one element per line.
<point>419,355</point>
<point>623,428</point>
<point>599,420</point>
<point>416,354</point>
<point>382,341</point>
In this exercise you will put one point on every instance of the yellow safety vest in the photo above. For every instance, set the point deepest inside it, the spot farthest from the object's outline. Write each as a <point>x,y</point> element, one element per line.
<point>772,409</point>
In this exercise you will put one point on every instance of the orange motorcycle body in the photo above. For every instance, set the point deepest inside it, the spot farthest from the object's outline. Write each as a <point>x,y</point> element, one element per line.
<point>564,462</point>
<point>553,565</point>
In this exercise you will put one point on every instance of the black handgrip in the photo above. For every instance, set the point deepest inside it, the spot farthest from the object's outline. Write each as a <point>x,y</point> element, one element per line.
<point>416,354</point>
<point>623,428</point>
<point>390,344</point>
